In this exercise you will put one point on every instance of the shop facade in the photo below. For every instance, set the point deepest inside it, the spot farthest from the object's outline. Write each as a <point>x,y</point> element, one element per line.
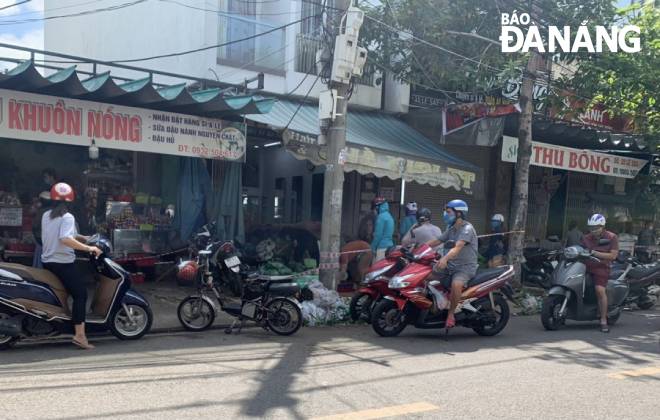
<point>144,176</point>
<point>384,156</point>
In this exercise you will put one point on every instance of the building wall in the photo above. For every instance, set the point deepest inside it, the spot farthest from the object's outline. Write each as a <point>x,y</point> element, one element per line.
<point>146,29</point>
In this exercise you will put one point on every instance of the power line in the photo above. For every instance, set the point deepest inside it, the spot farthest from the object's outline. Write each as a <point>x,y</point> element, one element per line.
<point>303,100</point>
<point>186,52</point>
<point>223,13</point>
<point>84,13</point>
<point>14,5</point>
<point>50,9</point>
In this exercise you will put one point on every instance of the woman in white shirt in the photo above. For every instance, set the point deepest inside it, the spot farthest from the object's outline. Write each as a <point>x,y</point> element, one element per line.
<point>60,241</point>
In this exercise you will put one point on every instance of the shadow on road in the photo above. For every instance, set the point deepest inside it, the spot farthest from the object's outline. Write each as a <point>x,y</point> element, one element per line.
<point>274,364</point>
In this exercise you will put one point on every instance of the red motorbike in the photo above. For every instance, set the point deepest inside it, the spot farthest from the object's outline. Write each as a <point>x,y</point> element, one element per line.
<point>374,284</point>
<point>418,300</point>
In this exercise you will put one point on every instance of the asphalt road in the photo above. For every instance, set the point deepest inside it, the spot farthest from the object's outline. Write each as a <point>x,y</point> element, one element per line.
<point>345,372</point>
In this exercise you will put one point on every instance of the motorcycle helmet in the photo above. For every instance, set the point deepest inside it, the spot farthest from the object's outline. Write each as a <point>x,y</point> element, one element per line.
<point>497,218</point>
<point>424,215</point>
<point>411,208</point>
<point>62,192</point>
<point>596,220</point>
<point>187,271</point>
<point>460,209</point>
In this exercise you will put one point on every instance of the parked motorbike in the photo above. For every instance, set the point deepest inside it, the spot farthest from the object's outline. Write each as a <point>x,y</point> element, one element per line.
<point>572,295</point>
<point>269,303</point>
<point>640,278</point>
<point>374,285</point>
<point>424,304</point>
<point>34,302</point>
<point>225,261</point>
<point>538,266</point>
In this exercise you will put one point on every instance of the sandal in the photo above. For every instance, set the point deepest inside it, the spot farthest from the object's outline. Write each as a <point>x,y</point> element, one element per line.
<point>449,325</point>
<point>84,346</point>
<point>604,328</point>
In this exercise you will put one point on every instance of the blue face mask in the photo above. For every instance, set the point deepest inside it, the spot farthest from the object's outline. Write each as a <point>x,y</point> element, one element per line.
<point>449,219</point>
<point>496,226</point>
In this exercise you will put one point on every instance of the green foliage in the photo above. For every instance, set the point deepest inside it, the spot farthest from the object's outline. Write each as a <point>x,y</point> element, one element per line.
<point>626,83</point>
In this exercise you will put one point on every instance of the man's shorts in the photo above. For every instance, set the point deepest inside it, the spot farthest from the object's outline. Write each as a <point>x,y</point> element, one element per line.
<point>600,277</point>
<point>447,277</point>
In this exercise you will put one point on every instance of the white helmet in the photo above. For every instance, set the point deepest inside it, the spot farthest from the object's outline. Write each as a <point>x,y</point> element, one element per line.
<point>497,218</point>
<point>596,220</point>
<point>412,207</point>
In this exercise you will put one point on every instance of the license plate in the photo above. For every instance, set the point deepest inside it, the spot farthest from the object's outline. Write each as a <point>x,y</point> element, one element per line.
<point>249,309</point>
<point>232,262</point>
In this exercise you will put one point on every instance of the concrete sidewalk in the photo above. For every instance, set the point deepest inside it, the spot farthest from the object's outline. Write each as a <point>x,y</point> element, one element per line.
<point>164,298</point>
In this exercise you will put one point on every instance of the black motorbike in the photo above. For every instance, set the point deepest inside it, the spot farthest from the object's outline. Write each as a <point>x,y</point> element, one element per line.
<point>639,276</point>
<point>539,265</point>
<point>269,303</point>
<point>225,260</point>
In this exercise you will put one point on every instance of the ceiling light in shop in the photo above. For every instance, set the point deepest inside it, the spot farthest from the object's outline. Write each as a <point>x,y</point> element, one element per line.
<point>277,143</point>
<point>603,136</point>
<point>93,151</point>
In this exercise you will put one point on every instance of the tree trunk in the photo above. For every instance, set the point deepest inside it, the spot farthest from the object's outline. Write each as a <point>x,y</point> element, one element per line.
<point>520,199</point>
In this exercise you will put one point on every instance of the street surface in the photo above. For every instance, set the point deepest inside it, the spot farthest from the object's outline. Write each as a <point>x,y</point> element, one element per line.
<point>345,373</point>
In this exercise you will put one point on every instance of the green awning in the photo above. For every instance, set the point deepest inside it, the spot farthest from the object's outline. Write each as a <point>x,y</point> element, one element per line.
<point>377,143</point>
<point>141,93</point>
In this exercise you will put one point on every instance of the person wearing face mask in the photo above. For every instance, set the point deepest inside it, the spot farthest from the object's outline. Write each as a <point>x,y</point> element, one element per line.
<point>460,264</point>
<point>600,271</point>
<point>410,219</point>
<point>496,244</point>
<point>383,228</point>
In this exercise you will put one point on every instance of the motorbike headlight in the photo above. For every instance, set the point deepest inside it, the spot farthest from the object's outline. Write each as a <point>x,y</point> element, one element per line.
<point>572,252</point>
<point>371,276</point>
<point>399,282</point>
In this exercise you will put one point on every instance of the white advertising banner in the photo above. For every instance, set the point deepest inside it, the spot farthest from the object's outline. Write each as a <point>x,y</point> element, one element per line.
<point>551,156</point>
<point>28,116</point>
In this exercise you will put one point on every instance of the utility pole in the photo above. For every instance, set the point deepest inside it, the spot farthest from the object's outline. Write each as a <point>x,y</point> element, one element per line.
<point>333,108</point>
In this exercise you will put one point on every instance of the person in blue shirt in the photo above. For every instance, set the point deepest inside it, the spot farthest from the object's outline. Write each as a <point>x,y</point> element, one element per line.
<point>410,219</point>
<point>383,229</point>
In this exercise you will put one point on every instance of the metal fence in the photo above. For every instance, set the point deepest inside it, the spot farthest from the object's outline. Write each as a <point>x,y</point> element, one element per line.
<point>306,48</point>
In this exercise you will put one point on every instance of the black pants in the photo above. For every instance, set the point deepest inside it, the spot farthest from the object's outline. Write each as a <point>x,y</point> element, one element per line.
<point>75,285</point>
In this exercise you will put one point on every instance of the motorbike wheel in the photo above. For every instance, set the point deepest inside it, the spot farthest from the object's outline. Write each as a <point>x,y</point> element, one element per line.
<point>502,315</point>
<point>360,307</point>
<point>195,313</point>
<point>124,329</point>
<point>645,302</point>
<point>283,316</point>
<point>6,341</point>
<point>387,320</point>
<point>549,310</point>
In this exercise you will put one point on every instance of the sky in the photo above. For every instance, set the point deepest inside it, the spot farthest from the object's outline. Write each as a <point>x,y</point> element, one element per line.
<point>25,34</point>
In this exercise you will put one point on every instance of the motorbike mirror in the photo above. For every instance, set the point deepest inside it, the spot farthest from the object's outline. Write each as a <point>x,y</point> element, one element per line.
<point>449,244</point>
<point>604,241</point>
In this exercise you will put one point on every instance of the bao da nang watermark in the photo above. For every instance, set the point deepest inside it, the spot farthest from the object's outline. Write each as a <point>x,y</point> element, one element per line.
<point>565,39</point>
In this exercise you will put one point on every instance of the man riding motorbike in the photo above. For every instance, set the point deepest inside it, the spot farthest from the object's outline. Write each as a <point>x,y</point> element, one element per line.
<point>423,231</point>
<point>459,265</point>
<point>600,271</point>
